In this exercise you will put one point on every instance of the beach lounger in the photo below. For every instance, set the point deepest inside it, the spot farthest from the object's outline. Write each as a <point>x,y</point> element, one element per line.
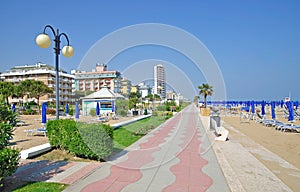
<point>288,127</point>
<point>41,130</point>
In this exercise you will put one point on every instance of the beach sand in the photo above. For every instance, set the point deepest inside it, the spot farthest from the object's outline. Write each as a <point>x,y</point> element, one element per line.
<point>284,144</point>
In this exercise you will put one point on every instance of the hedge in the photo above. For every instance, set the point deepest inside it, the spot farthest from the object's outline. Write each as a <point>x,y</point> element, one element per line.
<point>93,141</point>
<point>9,160</point>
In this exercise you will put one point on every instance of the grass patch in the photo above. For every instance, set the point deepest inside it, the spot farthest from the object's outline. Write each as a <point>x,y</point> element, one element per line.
<point>42,187</point>
<point>128,134</point>
<point>60,155</point>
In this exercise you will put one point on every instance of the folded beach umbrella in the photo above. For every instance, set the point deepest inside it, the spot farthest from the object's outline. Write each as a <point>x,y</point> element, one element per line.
<point>252,107</point>
<point>263,104</point>
<point>291,111</point>
<point>281,103</point>
<point>97,109</point>
<point>44,111</point>
<point>296,104</point>
<point>76,110</point>
<point>67,109</point>
<point>112,106</point>
<point>13,107</point>
<point>273,110</point>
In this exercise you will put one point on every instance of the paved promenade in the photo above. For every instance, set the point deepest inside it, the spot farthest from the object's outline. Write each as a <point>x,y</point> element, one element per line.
<point>173,157</point>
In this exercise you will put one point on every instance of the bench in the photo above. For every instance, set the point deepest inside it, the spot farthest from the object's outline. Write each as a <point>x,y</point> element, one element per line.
<point>34,151</point>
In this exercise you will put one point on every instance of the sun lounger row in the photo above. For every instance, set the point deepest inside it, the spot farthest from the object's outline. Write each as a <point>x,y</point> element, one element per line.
<point>41,130</point>
<point>278,125</point>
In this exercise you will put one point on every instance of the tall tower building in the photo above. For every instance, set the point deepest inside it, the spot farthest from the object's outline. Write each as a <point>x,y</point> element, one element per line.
<point>160,81</point>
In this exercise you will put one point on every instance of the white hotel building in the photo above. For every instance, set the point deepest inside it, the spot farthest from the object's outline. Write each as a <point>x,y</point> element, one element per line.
<point>46,74</point>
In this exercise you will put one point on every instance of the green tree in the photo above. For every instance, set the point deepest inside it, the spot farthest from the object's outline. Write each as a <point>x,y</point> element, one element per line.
<point>122,107</point>
<point>205,90</point>
<point>35,89</point>
<point>39,89</point>
<point>6,90</point>
<point>134,99</point>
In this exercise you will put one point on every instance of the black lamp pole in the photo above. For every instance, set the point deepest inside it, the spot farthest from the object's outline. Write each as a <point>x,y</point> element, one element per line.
<point>57,50</point>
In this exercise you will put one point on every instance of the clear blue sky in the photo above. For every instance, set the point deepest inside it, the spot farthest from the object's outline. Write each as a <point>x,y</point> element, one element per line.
<point>256,43</point>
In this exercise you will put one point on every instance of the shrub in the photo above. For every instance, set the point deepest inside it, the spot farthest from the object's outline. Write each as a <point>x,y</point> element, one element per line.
<point>30,112</point>
<point>71,111</point>
<point>7,115</point>
<point>9,160</point>
<point>154,113</point>
<point>5,134</point>
<point>122,112</point>
<point>93,141</point>
<point>98,139</point>
<point>93,112</point>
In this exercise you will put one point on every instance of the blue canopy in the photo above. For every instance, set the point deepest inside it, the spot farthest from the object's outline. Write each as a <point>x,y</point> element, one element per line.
<point>44,111</point>
<point>76,110</point>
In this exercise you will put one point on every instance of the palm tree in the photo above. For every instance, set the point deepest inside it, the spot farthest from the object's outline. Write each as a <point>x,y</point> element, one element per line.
<point>205,90</point>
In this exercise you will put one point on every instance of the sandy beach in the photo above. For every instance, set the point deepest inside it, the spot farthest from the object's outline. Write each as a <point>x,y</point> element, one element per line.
<point>284,144</point>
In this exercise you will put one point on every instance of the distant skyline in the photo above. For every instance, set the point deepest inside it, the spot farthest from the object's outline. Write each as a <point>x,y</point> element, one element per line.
<point>255,43</point>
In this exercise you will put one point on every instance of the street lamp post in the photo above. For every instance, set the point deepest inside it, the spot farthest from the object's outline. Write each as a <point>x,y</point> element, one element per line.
<point>43,41</point>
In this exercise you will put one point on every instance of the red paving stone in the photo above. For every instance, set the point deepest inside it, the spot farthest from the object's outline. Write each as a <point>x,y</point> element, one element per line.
<point>128,172</point>
<point>188,172</point>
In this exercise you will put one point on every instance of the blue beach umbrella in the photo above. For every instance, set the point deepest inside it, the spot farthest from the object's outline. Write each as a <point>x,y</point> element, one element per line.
<point>291,111</point>
<point>273,110</point>
<point>97,109</point>
<point>296,104</point>
<point>252,107</point>
<point>112,106</point>
<point>13,107</point>
<point>44,111</point>
<point>281,103</point>
<point>67,109</point>
<point>76,110</point>
<point>263,104</point>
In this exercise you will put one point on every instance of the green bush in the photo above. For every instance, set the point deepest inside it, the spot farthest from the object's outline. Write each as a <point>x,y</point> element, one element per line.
<point>5,134</point>
<point>9,160</point>
<point>93,141</point>
<point>98,138</point>
<point>7,115</point>
<point>122,112</point>
<point>93,112</point>
<point>30,112</point>
<point>71,111</point>
<point>154,113</point>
